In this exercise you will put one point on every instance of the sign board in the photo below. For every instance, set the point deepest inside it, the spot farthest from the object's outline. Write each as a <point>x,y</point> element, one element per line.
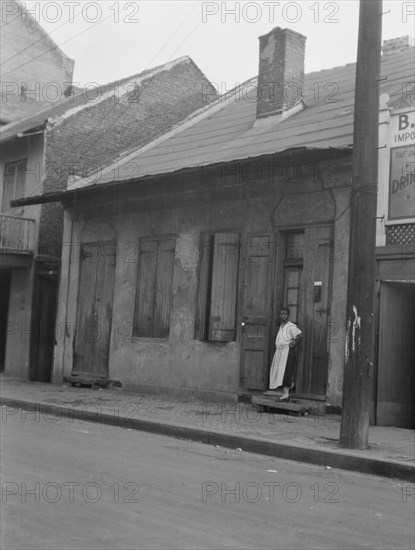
<point>402,167</point>
<point>402,128</point>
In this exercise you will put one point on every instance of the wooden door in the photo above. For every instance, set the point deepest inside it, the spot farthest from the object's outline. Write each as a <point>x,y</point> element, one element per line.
<point>315,314</point>
<point>93,329</point>
<point>396,357</point>
<point>256,313</point>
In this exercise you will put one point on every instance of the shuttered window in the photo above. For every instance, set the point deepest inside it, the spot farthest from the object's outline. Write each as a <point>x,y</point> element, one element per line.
<point>218,287</point>
<point>154,283</point>
<point>14,181</point>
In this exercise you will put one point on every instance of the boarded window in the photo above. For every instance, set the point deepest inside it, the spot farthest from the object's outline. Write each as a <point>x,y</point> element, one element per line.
<point>14,181</point>
<point>218,287</point>
<point>154,283</point>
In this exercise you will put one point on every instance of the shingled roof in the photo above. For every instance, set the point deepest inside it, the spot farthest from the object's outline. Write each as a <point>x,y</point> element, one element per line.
<point>227,130</point>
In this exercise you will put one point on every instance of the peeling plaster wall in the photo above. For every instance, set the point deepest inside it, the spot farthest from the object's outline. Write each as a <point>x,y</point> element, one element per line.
<point>180,363</point>
<point>21,284</point>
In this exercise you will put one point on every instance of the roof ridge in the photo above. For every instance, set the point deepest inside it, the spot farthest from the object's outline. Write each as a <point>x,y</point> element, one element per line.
<point>79,101</point>
<point>142,73</point>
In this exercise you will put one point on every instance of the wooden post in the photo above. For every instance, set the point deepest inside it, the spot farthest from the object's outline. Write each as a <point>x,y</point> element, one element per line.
<point>354,431</point>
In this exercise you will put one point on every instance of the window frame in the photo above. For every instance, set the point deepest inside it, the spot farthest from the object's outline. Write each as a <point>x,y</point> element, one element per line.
<point>15,163</point>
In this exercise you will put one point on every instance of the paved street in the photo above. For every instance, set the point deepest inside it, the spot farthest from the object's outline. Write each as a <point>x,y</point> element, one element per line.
<point>70,484</point>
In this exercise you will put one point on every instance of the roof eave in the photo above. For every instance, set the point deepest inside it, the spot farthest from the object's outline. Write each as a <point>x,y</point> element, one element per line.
<point>115,186</point>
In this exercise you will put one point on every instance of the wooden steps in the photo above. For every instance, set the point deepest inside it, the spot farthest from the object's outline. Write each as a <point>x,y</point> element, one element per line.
<point>296,408</point>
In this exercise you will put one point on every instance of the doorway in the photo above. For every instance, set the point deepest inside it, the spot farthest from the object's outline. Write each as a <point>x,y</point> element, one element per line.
<point>395,402</point>
<point>43,334</point>
<point>296,272</point>
<point>5,277</point>
<point>303,284</point>
<point>95,297</point>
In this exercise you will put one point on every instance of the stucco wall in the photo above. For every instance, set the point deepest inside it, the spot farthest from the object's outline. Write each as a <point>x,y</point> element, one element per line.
<point>21,285</point>
<point>30,148</point>
<point>182,363</point>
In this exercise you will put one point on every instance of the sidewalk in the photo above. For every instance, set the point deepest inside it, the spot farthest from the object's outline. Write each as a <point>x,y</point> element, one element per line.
<point>313,438</point>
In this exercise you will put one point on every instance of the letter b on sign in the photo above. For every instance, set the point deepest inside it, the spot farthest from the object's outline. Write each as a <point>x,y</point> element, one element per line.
<point>403,122</point>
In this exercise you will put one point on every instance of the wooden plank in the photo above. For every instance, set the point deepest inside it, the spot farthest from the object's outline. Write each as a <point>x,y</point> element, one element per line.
<point>224,287</point>
<point>256,313</point>
<point>103,309</point>
<point>85,320</point>
<point>205,255</point>
<point>146,289</point>
<point>164,276</point>
<point>93,330</point>
<point>314,320</point>
<point>274,404</point>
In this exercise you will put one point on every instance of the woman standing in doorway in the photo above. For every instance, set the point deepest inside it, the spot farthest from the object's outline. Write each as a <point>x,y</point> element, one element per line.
<point>283,368</point>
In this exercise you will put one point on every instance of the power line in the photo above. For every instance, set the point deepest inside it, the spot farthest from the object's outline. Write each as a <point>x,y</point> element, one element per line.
<point>45,35</point>
<point>58,46</point>
<point>75,150</point>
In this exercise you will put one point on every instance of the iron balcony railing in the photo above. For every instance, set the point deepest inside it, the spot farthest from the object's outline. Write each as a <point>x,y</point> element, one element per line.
<point>17,234</point>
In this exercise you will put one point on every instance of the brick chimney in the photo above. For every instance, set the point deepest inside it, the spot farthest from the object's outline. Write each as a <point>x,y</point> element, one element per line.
<point>281,71</point>
<point>395,45</point>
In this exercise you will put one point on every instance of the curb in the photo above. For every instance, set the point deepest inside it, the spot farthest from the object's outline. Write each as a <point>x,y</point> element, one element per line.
<point>333,458</point>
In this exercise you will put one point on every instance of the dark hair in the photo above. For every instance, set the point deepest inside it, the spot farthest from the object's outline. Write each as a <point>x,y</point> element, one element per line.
<point>284,308</point>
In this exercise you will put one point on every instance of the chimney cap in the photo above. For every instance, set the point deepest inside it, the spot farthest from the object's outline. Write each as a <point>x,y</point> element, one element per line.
<point>276,30</point>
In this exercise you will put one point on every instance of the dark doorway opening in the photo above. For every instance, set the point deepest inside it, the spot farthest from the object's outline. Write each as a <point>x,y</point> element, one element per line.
<point>5,278</point>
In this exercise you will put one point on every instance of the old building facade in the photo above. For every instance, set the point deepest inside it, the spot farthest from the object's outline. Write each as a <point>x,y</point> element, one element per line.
<point>395,261</point>
<point>40,154</point>
<point>34,73</point>
<point>174,277</point>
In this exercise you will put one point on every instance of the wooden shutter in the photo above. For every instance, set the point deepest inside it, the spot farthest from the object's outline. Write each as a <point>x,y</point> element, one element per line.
<point>164,275</point>
<point>222,317</point>
<point>146,289</point>
<point>204,274</point>
<point>8,185</point>
<point>153,297</point>
<point>14,182</point>
<point>20,180</point>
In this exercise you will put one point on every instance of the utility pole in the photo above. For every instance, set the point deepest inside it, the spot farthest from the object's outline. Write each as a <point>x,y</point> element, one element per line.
<point>354,430</point>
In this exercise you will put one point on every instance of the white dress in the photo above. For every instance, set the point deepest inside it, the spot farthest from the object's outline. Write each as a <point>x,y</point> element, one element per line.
<point>287,333</point>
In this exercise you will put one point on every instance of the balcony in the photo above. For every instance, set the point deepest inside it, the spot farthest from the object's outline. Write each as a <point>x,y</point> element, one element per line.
<point>17,241</point>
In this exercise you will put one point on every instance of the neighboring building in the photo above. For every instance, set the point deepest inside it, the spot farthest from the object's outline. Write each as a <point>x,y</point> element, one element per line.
<point>395,258</point>
<point>174,277</point>
<point>35,73</point>
<point>40,154</point>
